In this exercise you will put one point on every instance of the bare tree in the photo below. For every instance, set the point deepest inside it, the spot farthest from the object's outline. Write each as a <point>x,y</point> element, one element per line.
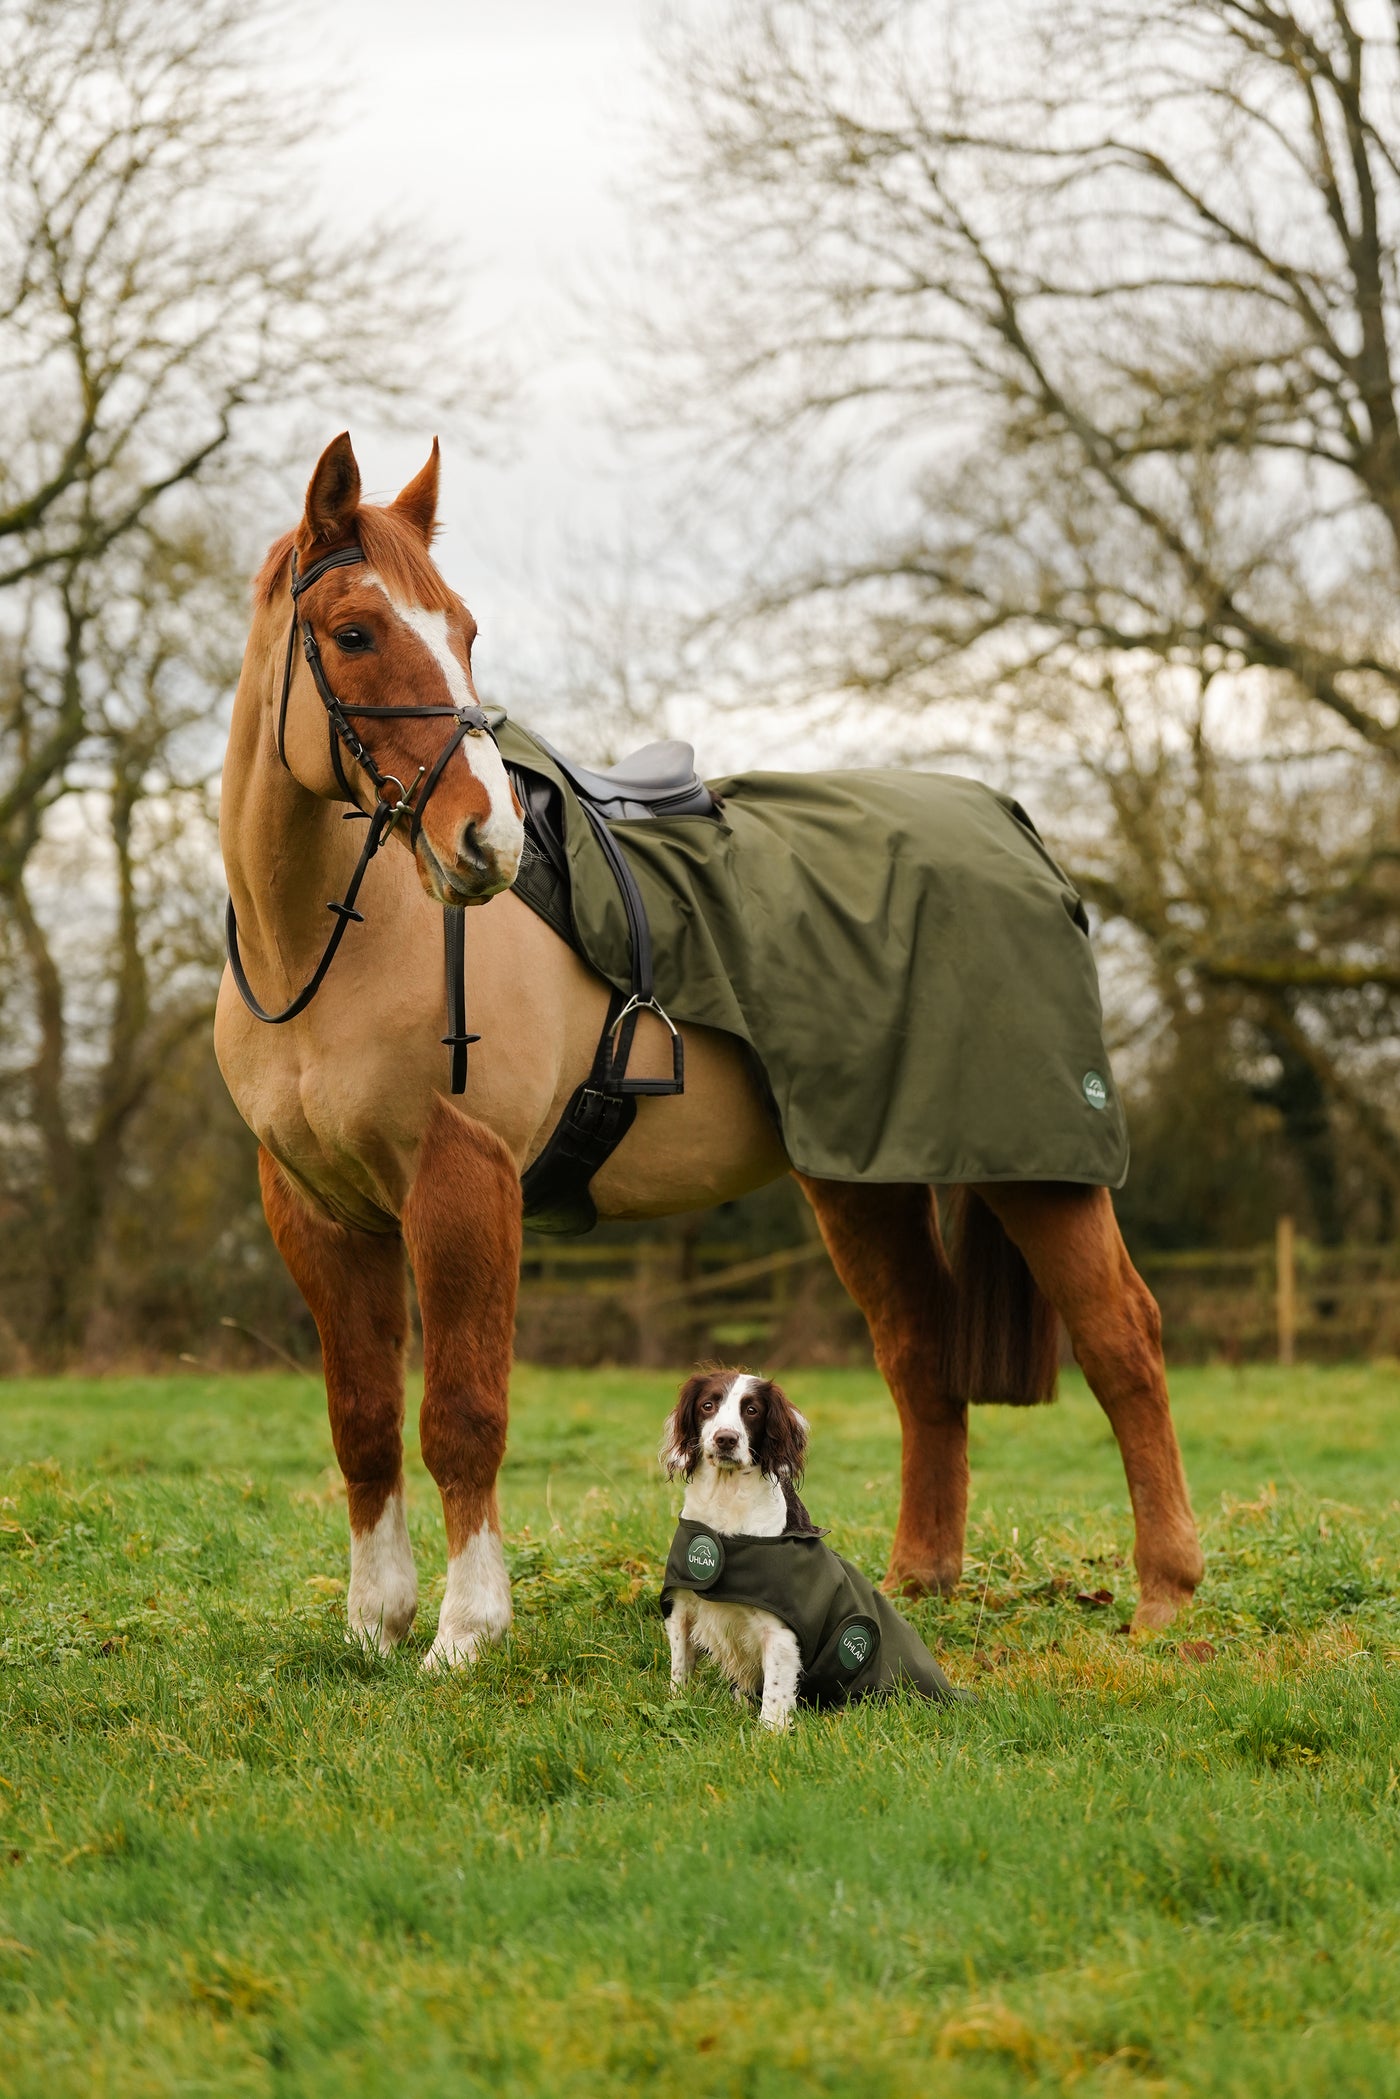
<point>113,904</point>
<point>1074,332</point>
<point>170,313</point>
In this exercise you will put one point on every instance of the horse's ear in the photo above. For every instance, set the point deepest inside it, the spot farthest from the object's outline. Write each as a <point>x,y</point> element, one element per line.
<point>417,504</point>
<point>333,496</point>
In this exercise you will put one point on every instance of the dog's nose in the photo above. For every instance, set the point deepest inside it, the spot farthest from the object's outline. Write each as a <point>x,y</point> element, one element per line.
<point>726,1442</point>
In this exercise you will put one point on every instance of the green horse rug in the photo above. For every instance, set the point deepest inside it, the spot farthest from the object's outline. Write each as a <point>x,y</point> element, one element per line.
<point>909,966</point>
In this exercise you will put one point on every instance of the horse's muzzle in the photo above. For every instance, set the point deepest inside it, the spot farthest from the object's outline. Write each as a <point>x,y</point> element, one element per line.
<point>480,870</point>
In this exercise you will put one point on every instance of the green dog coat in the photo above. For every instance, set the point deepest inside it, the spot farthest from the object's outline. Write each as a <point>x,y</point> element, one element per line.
<point>852,1640</point>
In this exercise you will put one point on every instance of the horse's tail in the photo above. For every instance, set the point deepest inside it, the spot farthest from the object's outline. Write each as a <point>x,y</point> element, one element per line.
<point>1001,1335</point>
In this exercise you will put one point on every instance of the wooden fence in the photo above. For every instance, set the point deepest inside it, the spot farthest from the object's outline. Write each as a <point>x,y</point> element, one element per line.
<point>1287,1301</point>
<point>672,1300</point>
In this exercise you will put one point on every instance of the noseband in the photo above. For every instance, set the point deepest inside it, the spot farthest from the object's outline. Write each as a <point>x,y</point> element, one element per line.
<point>389,806</point>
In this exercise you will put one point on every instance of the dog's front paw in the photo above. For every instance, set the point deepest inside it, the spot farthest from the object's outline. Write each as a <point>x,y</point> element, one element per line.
<point>777,1722</point>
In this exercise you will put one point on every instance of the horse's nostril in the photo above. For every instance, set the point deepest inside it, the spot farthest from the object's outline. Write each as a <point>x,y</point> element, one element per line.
<point>472,850</point>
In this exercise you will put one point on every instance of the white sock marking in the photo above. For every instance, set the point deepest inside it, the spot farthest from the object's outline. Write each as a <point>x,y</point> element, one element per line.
<point>383,1594</point>
<point>476,1608</point>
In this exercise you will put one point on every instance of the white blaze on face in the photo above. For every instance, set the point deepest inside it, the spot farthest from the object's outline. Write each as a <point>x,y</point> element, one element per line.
<point>729,1415</point>
<point>501,831</point>
<point>476,1607</point>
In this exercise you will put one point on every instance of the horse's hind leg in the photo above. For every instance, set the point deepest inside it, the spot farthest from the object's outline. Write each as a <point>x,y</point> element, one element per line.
<point>461,1222</point>
<point>1074,1249</point>
<point>885,1247</point>
<point>355,1284</point>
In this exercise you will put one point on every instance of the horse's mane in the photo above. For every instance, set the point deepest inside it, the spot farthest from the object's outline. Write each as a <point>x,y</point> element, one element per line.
<point>393,549</point>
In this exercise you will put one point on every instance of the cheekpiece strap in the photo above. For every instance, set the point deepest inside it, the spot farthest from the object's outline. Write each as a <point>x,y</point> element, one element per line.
<point>343,557</point>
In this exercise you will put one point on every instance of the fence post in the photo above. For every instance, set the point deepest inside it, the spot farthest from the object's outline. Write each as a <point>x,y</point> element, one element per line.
<point>1286,1289</point>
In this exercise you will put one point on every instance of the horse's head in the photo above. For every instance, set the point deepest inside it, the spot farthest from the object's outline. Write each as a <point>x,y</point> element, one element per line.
<point>392,636</point>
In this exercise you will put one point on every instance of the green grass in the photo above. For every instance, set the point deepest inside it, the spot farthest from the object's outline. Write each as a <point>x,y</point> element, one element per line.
<point>238,1857</point>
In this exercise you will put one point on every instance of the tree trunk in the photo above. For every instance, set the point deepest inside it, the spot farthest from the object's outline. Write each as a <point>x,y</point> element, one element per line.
<point>1301,1099</point>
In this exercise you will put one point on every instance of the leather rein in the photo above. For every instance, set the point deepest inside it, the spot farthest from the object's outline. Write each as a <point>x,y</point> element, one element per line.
<point>389,808</point>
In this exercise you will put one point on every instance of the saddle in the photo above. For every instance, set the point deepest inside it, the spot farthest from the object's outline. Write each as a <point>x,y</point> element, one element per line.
<point>659,780</point>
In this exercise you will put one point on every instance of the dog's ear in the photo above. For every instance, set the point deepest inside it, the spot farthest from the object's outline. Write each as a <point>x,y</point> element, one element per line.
<point>680,1441</point>
<point>782,1451</point>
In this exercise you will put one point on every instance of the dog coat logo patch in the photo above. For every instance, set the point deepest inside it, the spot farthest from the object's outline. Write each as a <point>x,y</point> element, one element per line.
<point>1095,1090</point>
<point>856,1645</point>
<point>704,1557</point>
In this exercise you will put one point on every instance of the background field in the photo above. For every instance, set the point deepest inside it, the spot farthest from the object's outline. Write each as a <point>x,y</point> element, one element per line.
<point>236,1857</point>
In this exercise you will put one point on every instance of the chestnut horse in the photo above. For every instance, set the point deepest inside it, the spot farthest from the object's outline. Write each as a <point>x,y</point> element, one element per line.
<point>365,1163</point>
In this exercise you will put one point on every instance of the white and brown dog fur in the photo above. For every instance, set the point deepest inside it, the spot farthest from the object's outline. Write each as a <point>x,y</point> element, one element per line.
<point>740,1443</point>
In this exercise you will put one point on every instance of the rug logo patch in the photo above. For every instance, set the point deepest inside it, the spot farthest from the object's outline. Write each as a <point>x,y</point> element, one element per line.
<point>702,1557</point>
<point>1095,1090</point>
<point>855,1647</point>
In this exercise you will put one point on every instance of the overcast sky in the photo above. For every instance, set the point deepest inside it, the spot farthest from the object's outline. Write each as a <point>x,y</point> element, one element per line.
<point>515,134</point>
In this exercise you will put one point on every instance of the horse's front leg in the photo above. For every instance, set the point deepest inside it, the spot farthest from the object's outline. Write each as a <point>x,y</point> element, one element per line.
<point>355,1285</point>
<point>461,1223</point>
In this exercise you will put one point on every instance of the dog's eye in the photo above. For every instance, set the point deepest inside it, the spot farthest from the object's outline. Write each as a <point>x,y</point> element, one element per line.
<point>354,641</point>
<point>751,1408</point>
<point>707,1406</point>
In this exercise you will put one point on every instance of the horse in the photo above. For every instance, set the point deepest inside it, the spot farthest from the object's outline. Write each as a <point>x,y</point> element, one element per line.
<point>365,1163</point>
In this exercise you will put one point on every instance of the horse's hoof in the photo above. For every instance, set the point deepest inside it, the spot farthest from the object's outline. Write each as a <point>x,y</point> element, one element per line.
<point>1155,1613</point>
<point>460,1640</point>
<point>371,1639</point>
<point>912,1583</point>
<point>382,1632</point>
<point>454,1654</point>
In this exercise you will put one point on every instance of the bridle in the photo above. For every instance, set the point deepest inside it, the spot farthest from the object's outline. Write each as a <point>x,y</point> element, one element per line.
<point>389,807</point>
<point>411,801</point>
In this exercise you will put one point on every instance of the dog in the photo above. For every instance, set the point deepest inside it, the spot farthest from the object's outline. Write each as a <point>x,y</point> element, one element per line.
<point>741,1445</point>
<point>749,1579</point>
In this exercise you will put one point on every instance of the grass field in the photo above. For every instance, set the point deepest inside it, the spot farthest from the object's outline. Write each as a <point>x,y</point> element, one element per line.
<point>237,1857</point>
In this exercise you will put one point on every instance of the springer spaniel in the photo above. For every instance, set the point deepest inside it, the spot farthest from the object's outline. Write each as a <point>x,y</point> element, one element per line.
<point>740,1444</point>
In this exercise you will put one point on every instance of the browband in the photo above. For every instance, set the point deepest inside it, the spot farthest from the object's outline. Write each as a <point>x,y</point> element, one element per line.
<point>343,557</point>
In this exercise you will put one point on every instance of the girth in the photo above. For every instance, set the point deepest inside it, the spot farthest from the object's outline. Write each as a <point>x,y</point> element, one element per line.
<point>601,1111</point>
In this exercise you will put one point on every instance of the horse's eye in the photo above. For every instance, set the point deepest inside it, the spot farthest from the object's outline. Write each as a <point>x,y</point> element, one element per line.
<point>354,640</point>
